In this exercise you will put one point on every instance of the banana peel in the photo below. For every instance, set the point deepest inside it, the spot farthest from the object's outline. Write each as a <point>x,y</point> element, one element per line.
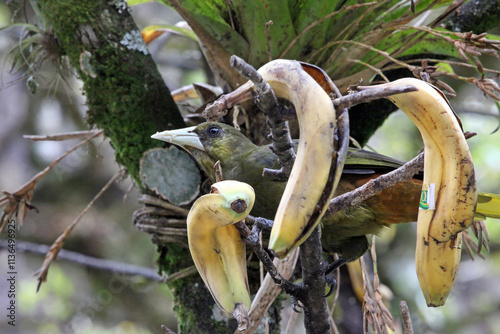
<point>449,194</point>
<point>216,246</point>
<point>318,166</point>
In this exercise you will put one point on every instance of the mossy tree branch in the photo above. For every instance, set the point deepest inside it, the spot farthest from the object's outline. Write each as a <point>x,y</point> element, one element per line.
<point>126,96</point>
<point>476,16</point>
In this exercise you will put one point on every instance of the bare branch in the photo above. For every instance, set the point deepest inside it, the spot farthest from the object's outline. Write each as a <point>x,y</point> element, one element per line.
<point>20,200</point>
<point>63,136</point>
<point>218,109</point>
<point>151,200</point>
<point>88,261</point>
<point>251,238</point>
<point>405,315</point>
<point>373,68</point>
<point>240,313</point>
<point>58,244</point>
<point>268,290</point>
<point>357,196</point>
<point>167,330</point>
<point>313,275</point>
<point>370,95</point>
<point>228,101</point>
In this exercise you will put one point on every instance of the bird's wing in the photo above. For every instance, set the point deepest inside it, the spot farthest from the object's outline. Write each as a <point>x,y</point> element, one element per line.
<point>366,162</point>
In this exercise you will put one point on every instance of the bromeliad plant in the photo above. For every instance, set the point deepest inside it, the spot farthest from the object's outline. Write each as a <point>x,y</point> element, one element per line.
<point>354,42</point>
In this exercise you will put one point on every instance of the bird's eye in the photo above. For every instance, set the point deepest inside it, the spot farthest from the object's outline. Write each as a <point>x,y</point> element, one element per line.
<point>214,131</point>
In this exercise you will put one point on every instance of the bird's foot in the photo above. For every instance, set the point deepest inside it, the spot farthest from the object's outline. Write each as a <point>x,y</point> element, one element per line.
<point>332,283</point>
<point>296,305</point>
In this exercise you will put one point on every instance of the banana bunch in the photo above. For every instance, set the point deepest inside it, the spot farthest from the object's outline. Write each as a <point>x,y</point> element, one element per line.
<point>313,180</point>
<point>216,246</point>
<point>449,193</point>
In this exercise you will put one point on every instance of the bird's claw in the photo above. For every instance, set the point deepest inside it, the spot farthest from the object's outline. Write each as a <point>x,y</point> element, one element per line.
<point>296,305</point>
<point>331,282</point>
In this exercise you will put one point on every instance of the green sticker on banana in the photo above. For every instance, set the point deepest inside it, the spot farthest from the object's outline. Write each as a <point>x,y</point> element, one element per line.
<point>427,197</point>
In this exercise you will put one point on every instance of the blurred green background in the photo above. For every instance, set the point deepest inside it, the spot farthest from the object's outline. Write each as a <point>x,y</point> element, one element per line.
<point>80,300</point>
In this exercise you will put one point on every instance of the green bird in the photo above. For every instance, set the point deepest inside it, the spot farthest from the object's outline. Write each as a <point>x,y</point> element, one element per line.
<point>343,232</point>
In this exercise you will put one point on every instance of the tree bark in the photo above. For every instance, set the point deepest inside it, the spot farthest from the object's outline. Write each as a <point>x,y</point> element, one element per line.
<point>128,99</point>
<point>475,16</point>
<point>313,264</point>
<point>126,95</point>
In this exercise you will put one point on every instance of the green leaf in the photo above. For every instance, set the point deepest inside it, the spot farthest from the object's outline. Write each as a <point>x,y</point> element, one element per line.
<point>216,36</point>
<point>252,17</point>
<point>212,16</point>
<point>171,174</point>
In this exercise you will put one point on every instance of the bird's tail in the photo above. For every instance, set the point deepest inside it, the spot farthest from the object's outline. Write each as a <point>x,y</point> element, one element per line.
<point>488,205</point>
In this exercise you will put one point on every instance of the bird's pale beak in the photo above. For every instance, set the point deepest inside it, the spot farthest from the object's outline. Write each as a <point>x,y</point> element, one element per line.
<point>181,137</point>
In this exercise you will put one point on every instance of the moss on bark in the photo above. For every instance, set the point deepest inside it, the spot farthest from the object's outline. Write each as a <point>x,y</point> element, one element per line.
<point>125,93</point>
<point>127,98</point>
<point>476,16</point>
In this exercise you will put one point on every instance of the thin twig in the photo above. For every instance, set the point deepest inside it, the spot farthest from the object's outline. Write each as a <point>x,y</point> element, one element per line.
<point>120,268</point>
<point>191,270</point>
<point>21,198</point>
<point>444,61</point>
<point>167,330</point>
<point>216,110</point>
<point>218,172</point>
<point>370,94</point>
<point>269,291</point>
<point>268,40</point>
<point>251,239</point>
<point>63,136</point>
<point>373,68</point>
<point>372,187</point>
<point>405,315</point>
<point>151,200</point>
<point>228,101</point>
<point>58,244</point>
<point>290,325</point>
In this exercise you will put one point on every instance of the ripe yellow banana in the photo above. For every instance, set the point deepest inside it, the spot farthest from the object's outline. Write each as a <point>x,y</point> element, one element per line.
<point>449,193</point>
<point>311,183</point>
<point>216,246</point>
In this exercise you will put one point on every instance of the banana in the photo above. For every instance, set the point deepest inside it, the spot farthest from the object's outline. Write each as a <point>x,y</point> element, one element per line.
<point>449,193</point>
<point>216,246</point>
<point>311,183</point>
<point>488,205</point>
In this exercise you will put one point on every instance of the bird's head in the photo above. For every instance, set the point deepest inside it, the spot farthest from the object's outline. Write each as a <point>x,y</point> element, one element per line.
<point>208,142</point>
